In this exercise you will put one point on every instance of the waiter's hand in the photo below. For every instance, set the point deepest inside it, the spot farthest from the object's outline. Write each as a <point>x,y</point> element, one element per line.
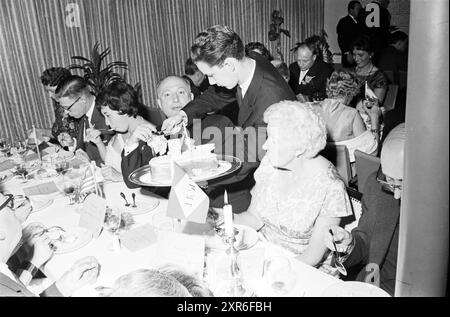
<point>172,125</point>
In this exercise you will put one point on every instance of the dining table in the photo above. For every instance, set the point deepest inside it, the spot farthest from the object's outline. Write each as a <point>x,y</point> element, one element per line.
<point>195,248</point>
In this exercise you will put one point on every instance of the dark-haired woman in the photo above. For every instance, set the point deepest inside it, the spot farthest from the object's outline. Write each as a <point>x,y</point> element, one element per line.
<point>368,73</point>
<point>119,105</point>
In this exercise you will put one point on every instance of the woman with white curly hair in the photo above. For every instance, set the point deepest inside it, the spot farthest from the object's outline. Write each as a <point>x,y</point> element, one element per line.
<point>297,192</point>
<point>345,125</point>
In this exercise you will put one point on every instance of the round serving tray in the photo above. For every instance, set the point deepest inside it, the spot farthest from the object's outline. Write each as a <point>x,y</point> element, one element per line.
<point>227,165</point>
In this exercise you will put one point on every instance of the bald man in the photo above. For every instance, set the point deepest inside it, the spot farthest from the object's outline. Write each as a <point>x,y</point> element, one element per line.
<point>371,247</point>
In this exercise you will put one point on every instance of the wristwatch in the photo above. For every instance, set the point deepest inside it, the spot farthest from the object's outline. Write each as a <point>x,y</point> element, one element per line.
<point>30,267</point>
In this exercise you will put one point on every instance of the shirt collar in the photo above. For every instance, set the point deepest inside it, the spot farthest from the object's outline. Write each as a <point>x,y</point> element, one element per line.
<point>91,110</point>
<point>244,86</point>
<point>353,18</point>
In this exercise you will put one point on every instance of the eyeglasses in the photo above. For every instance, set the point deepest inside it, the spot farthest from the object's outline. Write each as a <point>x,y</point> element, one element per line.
<point>385,185</point>
<point>14,202</point>
<point>68,108</point>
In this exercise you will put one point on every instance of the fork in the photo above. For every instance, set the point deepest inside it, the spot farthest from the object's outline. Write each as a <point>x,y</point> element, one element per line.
<point>338,261</point>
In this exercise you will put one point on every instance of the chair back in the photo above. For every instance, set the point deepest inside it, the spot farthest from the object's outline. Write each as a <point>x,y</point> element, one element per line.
<point>338,155</point>
<point>391,98</point>
<point>366,164</point>
<point>350,222</point>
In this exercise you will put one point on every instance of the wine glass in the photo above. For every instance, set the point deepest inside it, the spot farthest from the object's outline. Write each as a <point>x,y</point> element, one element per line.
<point>70,189</point>
<point>5,146</point>
<point>279,274</point>
<point>113,218</point>
<point>61,167</point>
<point>22,170</point>
<point>20,147</point>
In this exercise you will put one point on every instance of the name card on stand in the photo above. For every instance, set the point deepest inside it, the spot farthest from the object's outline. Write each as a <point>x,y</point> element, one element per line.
<point>41,189</point>
<point>187,201</point>
<point>139,238</point>
<point>93,214</point>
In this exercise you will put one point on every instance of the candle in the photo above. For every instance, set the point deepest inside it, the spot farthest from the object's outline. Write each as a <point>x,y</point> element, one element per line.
<point>228,216</point>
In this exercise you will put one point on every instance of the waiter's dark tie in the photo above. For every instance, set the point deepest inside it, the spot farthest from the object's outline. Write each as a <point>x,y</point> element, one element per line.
<point>239,95</point>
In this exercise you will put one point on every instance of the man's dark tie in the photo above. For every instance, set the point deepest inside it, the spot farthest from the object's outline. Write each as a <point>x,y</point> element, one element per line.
<point>239,95</point>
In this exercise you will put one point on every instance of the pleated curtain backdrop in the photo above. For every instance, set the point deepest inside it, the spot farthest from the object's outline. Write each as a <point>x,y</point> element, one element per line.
<point>152,36</point>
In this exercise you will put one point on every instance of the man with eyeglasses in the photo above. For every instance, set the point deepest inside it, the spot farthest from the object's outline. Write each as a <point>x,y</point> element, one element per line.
<point>81,273</point>
<point>75,97</point>
<point>371,247</point>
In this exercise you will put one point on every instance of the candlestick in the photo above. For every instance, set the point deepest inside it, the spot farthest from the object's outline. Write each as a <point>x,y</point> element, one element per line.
<point>228,216</point>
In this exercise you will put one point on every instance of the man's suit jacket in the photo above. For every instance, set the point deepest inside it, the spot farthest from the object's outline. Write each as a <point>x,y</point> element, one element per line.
<point>97,120</point>
<point>347,31</point>
<point>319,72</point>
<point>9,287</point>
<point>376,227</point>
<point>266,88</point>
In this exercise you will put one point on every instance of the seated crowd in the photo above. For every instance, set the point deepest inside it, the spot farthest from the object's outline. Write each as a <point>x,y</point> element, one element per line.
<point>290,193</point>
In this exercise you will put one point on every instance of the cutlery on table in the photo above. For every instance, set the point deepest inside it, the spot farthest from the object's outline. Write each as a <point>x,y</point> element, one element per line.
<point>126,201</point>
<point>338,261</point>
<point>133,195</point>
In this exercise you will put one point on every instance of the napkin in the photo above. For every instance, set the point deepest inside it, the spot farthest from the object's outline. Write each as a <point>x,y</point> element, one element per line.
<point>138,238</point>
<point>41,189</point>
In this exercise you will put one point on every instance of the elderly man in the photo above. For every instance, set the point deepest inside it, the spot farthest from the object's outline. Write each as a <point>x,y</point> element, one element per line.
<point>76,99</point>
<point>371,247</point>
<point>219,53</point>
<point>174,93</point>
<point>81,273</point>
<point>308,76</point>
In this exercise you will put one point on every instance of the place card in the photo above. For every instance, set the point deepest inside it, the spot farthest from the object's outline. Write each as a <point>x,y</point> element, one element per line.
<point>41,189</point>
<point>187,201</point>
<point>6,165</point>
<point>93,214</point>
<point>139,238</point>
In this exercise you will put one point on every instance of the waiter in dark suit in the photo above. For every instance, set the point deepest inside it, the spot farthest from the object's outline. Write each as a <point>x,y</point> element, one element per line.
<point>219,53</point>
<point>348,29</point>
<point>77,100</point>
<point>308,76</point>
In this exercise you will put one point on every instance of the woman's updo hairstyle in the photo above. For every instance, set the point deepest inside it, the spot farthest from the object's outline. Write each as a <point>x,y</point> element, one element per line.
<point>121,97</point>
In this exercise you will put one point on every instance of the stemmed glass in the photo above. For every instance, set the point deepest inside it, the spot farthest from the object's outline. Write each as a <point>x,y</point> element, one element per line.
<point>70,188</point>
<point>5,146</point>
<point>20,147</point>
<point>113,219</point>
<point>279,274</point>
<point>61,167</point>
<point>22,170</point>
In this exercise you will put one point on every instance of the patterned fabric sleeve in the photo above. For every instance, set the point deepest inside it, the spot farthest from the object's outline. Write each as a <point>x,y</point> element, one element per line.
<point>337,203</point>
<point>378,80</point>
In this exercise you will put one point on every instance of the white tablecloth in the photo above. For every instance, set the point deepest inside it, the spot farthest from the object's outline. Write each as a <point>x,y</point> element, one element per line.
<point>309,281</point>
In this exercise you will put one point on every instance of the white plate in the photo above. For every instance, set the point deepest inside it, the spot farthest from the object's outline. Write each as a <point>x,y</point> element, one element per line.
<point>354,289</point>
<point>144,205</point>
<point>245,239</point>
<point>39,204</point>
<point>77,238</point>
<point>60,155</point>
